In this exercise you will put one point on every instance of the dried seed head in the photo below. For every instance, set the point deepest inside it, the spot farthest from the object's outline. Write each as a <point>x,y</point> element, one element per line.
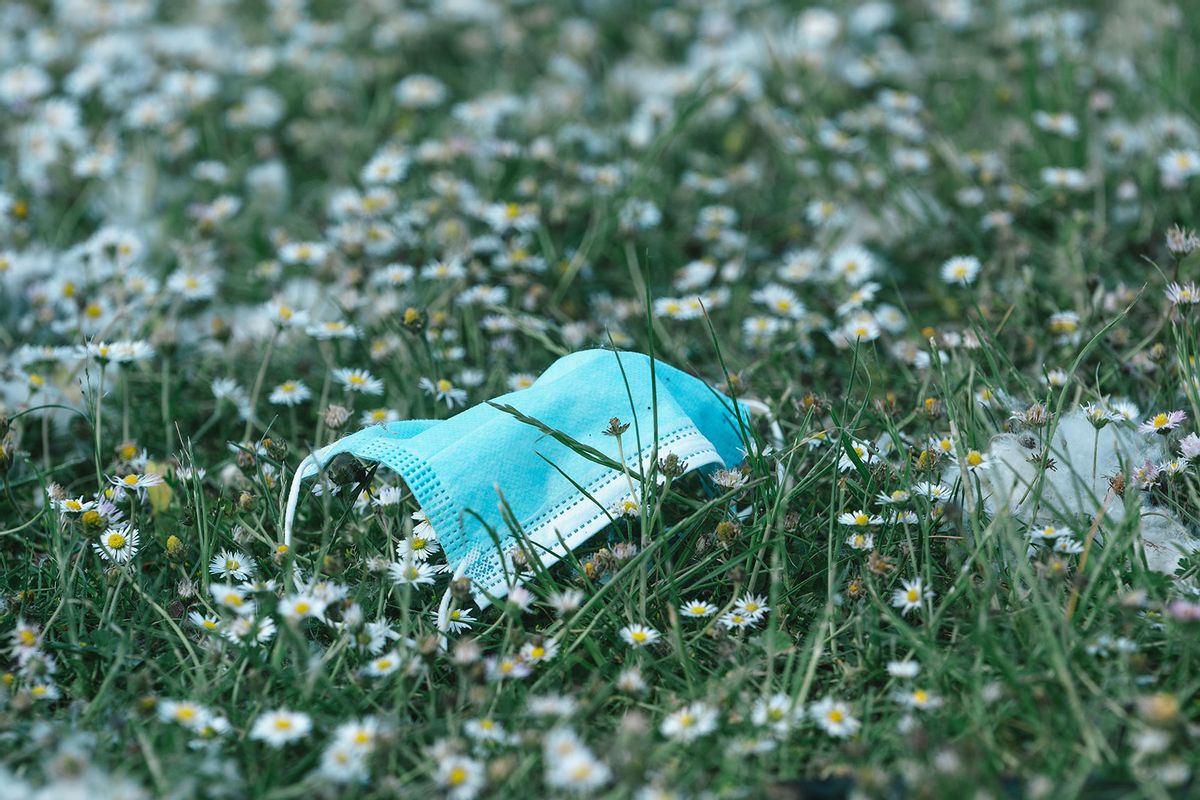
<point>616,427</point>
<point>879,564</point>
<point>1181,241</point>
<point>335,417</point>
<point>1036,415</point>
<point>728,532</point>
<point>671,466</point>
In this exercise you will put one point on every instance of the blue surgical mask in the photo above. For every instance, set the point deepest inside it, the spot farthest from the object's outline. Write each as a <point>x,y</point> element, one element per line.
<point>471,471</point>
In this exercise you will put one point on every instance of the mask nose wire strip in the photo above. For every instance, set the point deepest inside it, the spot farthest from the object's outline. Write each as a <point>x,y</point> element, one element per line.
<point>289,511</point>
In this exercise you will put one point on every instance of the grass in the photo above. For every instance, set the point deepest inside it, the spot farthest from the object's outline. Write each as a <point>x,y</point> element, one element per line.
<point>1041,674</point>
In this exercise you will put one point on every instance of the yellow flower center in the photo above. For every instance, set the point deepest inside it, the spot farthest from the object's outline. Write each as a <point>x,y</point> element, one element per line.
<point>835,715</point>
<point>457,776</point>
<point>638,636</point>
<point>116,541</point>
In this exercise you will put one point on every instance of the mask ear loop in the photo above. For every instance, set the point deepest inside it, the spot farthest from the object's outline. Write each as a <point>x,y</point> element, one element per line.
<point>761,409</point>
<point>443,615</point>
<point>293,501</point>
<point>775,435</point>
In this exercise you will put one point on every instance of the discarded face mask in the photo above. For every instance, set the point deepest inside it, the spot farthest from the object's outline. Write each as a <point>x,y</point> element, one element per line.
<point>1079,485</point>
<point>478,472</point>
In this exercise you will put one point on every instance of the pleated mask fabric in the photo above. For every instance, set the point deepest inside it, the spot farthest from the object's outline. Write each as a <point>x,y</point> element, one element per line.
<point>462,470</point>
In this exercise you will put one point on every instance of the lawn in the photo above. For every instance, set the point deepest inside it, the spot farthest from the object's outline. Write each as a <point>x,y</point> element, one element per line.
<point>619,399</point>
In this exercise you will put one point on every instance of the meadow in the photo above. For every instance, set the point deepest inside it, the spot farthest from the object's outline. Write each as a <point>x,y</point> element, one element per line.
<point>943,250</point>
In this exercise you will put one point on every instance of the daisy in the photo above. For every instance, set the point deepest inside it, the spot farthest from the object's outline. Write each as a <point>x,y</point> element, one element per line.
<point>247,631</point>
<point>289,393</point>
<point>421,548</point>
<point>859,519</point>
<point>777,712</point>
<point>204,622</point>
<point>1049,533</point>
<point>334,329</point>
<point>1068,545</point>
<point>1124,410</point>
<point>1189,447</point>
<point>974,461</point>
<point>378,416</point>
<point>358,381</point>
<point>539,652</point>
<point>279,727</point>
<point>232,564</point>
<point>934,492</point>
<point>753,605</point>
<point>697,609</point>
<point>919,699</point>
<point>384,665</point>
<point>863,451</point>
<point>359,735</point>
<point>903,669</point>
<point>639,635</point>
<point>118,545</point>
<point>566,601</point>
<point>834,717</point>
<point>74,505</point>
<point>411,573</point>
<point>1183,295</point>
<point>961,270</point>
<point>296,607</point>
<point>501,669</point>
<point>860,541</point>
<point>690,722</point>
<point>183,712</point>
<point>485,729</point>
<point>579,773</point>
<point>232,597</point>
<point>135,482</point>
<point>443,390</point>
<point>735,620</point>
<point>462,778</point>
<point>896,497</point>
<point>1162,422</point>
<point>909,597</point>
<point>631,681</point>
<point>342,764</point>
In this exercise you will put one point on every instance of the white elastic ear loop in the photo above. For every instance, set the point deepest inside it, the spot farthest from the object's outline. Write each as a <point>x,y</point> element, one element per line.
<point>289,511</point>
<point>759,408</point>
<point>443,616</point>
